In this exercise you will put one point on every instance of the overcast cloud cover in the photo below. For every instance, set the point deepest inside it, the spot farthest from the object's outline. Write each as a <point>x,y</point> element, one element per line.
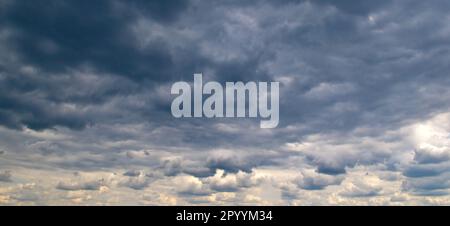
<point>85,102</point>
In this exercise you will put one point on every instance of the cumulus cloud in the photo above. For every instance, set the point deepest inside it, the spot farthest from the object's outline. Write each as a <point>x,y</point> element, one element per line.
<point>367,186</point>
<point>232,182</point>
<point>309,180</point>
<point>138,182</point>
<point>190,185</point>
<point>427,173</point>
<point>427,153</point>
<point>228,161</point>
<point>172,166</point>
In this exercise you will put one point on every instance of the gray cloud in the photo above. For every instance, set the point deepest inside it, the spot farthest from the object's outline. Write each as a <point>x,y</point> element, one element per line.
<point>137,182</point>
<point>313,181</point>
<point>85,86</point>
<point>87,185</point>
<point>5,176</point>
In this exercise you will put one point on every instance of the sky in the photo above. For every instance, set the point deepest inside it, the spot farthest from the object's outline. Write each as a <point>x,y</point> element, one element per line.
<point>85,102</point>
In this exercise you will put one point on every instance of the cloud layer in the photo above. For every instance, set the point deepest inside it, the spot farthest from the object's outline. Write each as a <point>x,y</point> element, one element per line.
<point>85,102</point>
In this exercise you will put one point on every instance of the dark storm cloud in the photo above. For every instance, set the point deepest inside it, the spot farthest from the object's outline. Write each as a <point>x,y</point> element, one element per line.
<point>57,35</point>
<point>62,39</point>
<point>53,38</point>
<point>23,110</point>
<point>387,79</point>
<point>70,35</point>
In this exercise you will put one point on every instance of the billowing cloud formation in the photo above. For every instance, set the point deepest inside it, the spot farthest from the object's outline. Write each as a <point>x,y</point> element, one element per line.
<point>364,102</point>
<point>314,181</point>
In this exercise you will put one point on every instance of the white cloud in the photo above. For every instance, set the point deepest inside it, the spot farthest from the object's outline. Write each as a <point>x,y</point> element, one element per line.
<point>190,185</point>
<point>365,186</point>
